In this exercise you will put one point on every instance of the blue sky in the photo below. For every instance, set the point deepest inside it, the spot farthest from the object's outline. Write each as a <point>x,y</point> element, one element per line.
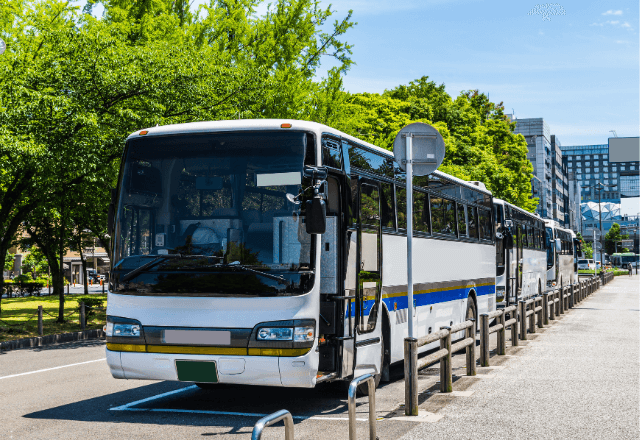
<point>579,70</point>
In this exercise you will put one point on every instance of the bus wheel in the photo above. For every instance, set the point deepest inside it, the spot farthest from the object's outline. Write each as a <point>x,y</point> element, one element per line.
<point>472,313</point>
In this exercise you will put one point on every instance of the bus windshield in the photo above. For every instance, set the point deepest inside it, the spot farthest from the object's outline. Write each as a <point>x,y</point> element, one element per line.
<point>208,215</point>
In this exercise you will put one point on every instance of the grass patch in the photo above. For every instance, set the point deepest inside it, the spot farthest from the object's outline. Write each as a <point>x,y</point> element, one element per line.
<point>19,318</point>
<point>615,271</point>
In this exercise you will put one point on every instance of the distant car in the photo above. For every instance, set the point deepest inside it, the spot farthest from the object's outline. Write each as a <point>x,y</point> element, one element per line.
<point>586,264</point>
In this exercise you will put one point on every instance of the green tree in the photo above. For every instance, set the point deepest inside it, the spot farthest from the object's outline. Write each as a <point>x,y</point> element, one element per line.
<point>8,262</point>
<point>35,263</point>
<point>479,139</point>
<point>612,237</point>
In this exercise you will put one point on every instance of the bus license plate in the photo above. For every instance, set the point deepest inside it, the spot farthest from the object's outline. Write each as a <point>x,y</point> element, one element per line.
<point>197,371</point>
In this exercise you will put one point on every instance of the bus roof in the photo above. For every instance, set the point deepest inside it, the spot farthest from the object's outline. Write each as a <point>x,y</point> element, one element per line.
<point>524,211</point>
<point>275,124</point>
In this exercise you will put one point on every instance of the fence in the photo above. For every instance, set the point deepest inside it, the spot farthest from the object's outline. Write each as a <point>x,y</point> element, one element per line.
<point>412,365</point>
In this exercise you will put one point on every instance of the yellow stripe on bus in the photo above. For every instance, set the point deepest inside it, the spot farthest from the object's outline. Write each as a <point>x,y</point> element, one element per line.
<point>180,349</point>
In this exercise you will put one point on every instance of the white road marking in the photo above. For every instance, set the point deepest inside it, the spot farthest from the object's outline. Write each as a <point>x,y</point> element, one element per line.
<point>54,368</point>
<point>148,399</point>
<point>128,407</point>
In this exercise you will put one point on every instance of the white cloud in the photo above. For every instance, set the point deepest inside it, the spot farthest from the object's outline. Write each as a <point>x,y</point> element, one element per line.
<point>615,22</point>
<point>622,42</point>
<point>625,25</point>
<point>612,12</point>
<point>596,24</point>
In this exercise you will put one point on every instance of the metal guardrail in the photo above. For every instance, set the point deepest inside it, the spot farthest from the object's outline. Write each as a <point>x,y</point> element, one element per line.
<point>412,365</point>
<point>269,420</point>
<point>353,388</point>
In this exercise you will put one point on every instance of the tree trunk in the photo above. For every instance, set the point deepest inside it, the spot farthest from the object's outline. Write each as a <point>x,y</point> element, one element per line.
<point>61,272</point>
<point>3,257</point>
<point>84,270</point>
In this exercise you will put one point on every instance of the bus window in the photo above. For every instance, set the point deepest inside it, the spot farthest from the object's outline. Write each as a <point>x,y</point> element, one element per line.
<point>550,247</point>
<point>420,212</point>
<point>462,220</point>
<point>530,237</point>
<point>387,206</point>
<point>401,203</point>
<point>472,213</point>
<point>484,223</point>
<point>369,205</point>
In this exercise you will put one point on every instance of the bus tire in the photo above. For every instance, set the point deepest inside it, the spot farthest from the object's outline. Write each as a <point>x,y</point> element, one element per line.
<point>472,312</point>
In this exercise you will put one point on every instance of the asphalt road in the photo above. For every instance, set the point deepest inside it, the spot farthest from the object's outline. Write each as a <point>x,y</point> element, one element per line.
<point>562,383</point>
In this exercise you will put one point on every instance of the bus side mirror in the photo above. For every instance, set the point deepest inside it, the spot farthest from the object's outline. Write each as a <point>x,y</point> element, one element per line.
<point>558,245</point>
<point>316,217</point>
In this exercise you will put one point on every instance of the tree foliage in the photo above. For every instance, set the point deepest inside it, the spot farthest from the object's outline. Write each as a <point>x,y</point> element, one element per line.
<point>479,139</point>
<point>612,237</point>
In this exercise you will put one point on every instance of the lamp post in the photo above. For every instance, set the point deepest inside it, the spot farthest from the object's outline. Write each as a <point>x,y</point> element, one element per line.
<point>600,186</point>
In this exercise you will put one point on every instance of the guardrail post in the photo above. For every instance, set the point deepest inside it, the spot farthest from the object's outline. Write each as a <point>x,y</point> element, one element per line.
<point>83,321</point>
<point>545,308</point>
<point>353,388</point>
<point>446,380</point>
<point>540,313</point>
<point>40,326</point>
<point>484,340</point>
<point>410,376</point>
<point>514,327</point>
<point>562,289</point>
<point>102,284</point>
<point>68,288</point>
<point>269,420</point>
<point>532,317</point>
<point>502,336</point>
<point>523,320</point>
<point>470,332</point>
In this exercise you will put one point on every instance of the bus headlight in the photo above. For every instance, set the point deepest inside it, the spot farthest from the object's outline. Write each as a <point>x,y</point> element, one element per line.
<point>304,334</point>
<point>124,331</point>
<point>282,338</point>
<point>500,293</point>
<point>275,334</point>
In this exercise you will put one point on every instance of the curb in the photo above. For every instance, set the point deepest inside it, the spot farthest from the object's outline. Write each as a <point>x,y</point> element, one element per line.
<point>51,339</point>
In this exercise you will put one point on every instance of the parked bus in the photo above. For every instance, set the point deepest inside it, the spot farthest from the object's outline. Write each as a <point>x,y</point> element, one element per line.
<point>521,259</point>
<point>623,259</point>
<point>563,251</point>
<point>216,278</point>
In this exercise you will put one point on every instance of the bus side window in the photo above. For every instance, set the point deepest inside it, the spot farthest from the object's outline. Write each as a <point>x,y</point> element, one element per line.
<point>420,212</point>
<point>401,204</point>
<point>472,213</point>
<point>462,220</point>
<point>387,205</point>
<point>484,217</point>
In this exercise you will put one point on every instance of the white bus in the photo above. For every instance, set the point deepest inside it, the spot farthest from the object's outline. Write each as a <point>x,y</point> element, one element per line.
<point>215,278</point>
<point>521,258</point>
<point>563,250</point>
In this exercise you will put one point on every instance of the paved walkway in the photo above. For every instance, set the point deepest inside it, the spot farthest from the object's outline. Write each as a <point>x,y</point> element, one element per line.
<point>579,379</point>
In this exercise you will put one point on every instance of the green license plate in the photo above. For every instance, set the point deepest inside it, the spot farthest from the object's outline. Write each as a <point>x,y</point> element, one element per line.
<point>197,371</point>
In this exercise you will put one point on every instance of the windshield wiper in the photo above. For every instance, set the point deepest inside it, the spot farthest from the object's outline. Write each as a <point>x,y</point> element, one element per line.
<point>135,272</point>
<point>235,264</point>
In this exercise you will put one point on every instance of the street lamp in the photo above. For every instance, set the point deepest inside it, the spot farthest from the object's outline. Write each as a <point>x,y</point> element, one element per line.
<point>600,186</point>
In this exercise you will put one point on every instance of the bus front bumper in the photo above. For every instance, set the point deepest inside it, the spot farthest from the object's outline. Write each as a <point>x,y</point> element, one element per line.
<point>297,371</point>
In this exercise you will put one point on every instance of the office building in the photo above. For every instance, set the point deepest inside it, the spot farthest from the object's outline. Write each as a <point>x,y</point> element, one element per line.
<point>558,197</point>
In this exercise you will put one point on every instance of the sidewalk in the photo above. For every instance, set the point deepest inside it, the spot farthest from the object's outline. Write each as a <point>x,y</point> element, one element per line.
<point>579,379</point>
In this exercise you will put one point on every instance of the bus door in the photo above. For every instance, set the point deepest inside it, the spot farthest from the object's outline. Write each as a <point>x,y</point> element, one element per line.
<point>368,334</point>
<point>519,259</point>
